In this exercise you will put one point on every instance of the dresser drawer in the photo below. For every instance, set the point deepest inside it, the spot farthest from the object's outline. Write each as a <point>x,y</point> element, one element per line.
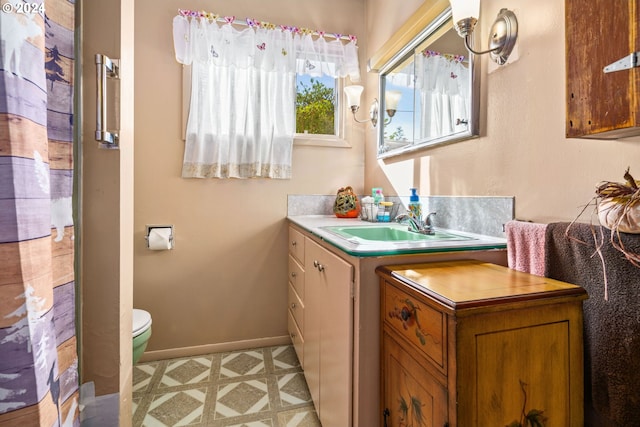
<point>296,244</point>
<point>419,323</point>
<point>296,276</point>
<point>296,307</point>
<point>296,338</point>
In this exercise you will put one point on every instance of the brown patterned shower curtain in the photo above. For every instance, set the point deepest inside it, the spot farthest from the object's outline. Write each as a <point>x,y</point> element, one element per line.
<point>38,356</point>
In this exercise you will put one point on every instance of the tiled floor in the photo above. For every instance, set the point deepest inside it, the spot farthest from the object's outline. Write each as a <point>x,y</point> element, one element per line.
<point>253,388</point>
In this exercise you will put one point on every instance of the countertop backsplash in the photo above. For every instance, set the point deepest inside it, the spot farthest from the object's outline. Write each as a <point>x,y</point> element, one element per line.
<point>484,215</point>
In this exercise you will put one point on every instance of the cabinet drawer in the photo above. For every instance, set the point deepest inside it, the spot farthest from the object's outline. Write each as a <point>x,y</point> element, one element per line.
<point>296,308</point>
<point>296,338</point>
<point>419,323</point>
<point>296,244</point>
<point>296,276</point>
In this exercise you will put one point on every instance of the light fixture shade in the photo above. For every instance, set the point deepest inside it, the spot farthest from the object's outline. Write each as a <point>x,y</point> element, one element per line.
<point>462,9</point>
<point>391,99</point>
<point>353,93</point>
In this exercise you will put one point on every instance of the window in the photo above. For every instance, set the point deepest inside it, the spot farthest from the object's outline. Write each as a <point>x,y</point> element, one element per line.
<point>245,87</point>
<point>316,105</point>
<point>320,94</point>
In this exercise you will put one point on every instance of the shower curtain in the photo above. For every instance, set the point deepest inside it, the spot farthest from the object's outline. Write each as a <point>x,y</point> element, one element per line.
<point>38,356</point>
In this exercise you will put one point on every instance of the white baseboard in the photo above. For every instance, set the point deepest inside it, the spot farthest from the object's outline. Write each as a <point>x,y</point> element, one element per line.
<point>198,350</point>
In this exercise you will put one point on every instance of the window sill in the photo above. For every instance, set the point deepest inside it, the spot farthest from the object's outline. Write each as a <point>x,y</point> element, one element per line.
<point>320,141</point>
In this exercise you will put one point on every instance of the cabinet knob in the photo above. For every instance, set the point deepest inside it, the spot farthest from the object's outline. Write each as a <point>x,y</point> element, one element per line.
<point>293,274</point>
<point>293,305</point>
<point>317,265</point>
<point>293,336</point>
<point>293,243</point>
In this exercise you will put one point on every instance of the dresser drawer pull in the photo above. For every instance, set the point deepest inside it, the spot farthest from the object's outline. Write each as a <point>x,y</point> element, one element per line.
<point>408,316</point>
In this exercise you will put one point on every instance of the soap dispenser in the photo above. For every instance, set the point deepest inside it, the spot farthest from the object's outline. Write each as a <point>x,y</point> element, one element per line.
<point>415,207</point>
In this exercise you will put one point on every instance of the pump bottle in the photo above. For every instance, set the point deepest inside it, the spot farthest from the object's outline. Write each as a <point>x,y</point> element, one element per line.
<point>415,207</point>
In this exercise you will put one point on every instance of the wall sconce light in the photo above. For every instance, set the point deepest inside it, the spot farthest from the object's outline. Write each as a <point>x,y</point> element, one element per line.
<point>503,34</point>
<point>391,100</point>
<point>353,93</point>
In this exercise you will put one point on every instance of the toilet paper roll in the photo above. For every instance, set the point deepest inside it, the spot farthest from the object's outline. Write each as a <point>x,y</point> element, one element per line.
<point>160,239</point>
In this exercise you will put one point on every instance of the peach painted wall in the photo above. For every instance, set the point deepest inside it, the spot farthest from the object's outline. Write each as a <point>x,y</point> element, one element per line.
<point>225,281</point>
<point>523,151</point>
<point>106,224</point>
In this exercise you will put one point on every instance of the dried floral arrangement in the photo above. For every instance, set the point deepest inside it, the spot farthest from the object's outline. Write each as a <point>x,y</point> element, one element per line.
<point>617,206</point>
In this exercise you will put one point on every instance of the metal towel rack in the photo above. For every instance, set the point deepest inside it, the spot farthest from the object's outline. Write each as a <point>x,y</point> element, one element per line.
<point>105,68</point>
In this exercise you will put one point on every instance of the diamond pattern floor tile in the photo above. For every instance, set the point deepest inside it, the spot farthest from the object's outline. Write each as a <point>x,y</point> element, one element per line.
<point>262,387</point>
<point>242,363</point>
<point>300,418</point>
<point>247,397</point>
<point>285,357</point>
<point>293,389</point>
<point>179,408</point>
<point>142,375</point>
<point>186,371</point>
<point>261,423</point>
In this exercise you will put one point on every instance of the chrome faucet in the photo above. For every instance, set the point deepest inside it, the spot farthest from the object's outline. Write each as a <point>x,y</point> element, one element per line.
<point>417,225</point>
<point>427,220</point>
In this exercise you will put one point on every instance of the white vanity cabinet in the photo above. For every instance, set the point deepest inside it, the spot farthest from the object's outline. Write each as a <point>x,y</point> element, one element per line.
<point>296,274</point>
<point>328,326</point>
<point>320,323</point>
<point>320,318</point>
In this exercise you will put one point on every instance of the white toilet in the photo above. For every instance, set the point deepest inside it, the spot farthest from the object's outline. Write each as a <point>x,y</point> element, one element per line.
<point>141,332</point>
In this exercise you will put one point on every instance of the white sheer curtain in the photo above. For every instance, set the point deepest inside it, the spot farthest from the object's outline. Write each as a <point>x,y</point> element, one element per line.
<point>242,111</point>
<point>443,84</point>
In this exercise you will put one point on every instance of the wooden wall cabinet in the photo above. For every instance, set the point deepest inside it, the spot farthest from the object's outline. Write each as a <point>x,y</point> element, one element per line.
<point>598,33</point>
<point>463,341</point>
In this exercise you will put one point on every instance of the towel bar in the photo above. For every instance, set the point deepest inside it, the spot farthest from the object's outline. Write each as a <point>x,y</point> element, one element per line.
<point>105,67</point>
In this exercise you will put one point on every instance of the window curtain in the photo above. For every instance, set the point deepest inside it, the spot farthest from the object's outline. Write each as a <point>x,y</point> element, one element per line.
<point>242,110</point>
<point>38,358</point>
<point>443,85</point>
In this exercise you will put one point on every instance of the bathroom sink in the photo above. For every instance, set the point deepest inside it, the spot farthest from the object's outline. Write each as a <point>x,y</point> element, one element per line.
<point>390,233</point>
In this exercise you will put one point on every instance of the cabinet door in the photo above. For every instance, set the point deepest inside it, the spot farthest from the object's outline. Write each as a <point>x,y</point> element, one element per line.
<point>601,105</point>
<point>411,396</point>
<point>328,350</point>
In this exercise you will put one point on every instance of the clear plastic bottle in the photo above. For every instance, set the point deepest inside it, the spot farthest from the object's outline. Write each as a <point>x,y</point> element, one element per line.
<point>378,199</point>
<point>378,196</point>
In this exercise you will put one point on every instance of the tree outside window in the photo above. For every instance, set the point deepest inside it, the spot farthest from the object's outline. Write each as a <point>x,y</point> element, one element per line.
<point>315,105</point>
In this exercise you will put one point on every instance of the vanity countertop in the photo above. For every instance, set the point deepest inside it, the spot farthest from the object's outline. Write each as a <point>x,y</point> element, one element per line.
<point>315,224</point>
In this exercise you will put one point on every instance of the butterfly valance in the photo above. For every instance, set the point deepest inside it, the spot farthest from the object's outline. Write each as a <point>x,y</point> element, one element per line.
<point>205,38</point>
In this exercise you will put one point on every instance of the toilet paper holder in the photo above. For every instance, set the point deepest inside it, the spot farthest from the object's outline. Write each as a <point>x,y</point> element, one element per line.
<point>151,227</point>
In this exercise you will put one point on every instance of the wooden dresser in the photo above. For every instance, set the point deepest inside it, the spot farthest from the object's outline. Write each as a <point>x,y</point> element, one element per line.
<point>473,344</point>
